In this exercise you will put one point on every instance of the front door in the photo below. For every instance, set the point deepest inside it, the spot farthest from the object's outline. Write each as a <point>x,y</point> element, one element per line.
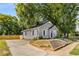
<point>51,34</point>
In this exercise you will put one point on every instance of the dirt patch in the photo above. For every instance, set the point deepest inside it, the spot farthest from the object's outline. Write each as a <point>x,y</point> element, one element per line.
<point>49,45</point>
<point>10,37</point>
<point>43,44</point>
<point>4,49</point>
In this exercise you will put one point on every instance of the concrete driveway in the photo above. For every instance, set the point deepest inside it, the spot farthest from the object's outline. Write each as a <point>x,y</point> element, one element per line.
<point>65,51</point>
<point>22,48</point>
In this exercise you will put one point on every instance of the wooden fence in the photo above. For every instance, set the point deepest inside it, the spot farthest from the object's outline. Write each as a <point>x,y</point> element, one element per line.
<point>10,37</point>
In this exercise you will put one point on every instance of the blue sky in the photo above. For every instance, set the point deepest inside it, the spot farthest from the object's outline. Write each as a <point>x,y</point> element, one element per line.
<point>7,8</point>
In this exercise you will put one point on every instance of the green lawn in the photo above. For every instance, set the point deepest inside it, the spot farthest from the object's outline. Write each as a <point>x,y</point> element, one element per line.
<point>4,50</point>
<point>75,51</point>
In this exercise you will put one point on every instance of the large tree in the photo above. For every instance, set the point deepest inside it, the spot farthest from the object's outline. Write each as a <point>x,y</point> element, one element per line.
<point>29,14</point>
<point>63,16</point>
<point>9,25</point>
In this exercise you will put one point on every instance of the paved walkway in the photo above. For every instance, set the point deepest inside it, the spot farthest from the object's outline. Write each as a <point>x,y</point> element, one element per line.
<point>22,48</point>
<point>65,51</point>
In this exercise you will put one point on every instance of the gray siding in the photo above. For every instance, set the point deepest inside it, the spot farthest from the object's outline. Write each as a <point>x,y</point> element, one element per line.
<point>41,31</point>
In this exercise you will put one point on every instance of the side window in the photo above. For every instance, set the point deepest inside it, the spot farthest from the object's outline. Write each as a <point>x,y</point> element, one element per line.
<point>51,34</point>
<point>25,33</point>
<point>44,32</point>
<point>33,32</point>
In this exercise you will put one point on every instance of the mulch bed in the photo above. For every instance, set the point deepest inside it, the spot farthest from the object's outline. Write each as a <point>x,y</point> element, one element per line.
<point>57,44</point>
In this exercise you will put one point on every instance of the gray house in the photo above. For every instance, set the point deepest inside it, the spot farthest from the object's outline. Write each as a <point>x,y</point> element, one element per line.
<point>46,30</point>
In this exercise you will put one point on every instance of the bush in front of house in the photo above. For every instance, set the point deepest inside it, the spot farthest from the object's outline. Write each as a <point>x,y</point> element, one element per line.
<point>40,37</point>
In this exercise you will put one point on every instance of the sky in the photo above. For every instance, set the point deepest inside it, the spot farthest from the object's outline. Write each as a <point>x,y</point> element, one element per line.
<point>7,8</point>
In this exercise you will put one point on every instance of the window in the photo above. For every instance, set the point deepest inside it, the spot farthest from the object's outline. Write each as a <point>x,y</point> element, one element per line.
<point>44,32</point>
<point>33,32</point>
<point>25,33</point>
<point>51,34</point>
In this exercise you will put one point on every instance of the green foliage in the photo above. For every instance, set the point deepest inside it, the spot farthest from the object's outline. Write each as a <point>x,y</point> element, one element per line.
<point>35,38</point>
<point>9,25</point>
<point>40,37</point>
<point>28,14</point>
<point>75,51</point>
<point>49,46</point>
<point>77,21</point>
<point>63,16</point>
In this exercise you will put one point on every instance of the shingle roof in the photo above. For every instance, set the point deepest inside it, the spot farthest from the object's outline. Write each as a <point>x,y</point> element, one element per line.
<point>39,26</point>
<point>51,26</point>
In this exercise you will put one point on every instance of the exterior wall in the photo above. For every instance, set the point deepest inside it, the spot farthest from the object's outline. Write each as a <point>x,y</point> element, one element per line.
<point>39,31</point>
<point>77,27</point>
<point>53,32</point>
<point>31,33</point>
<point>28,35</point>
<point>45,28</point>
<point>44,33</point>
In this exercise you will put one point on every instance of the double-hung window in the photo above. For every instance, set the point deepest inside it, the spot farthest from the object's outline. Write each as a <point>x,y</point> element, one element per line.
<point>33,32</point>
<point>25,33</point>
<point>44,32</point>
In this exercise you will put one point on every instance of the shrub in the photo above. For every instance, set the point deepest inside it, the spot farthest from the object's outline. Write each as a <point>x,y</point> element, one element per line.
<point>49,46</point>
<point>40,37</point>
<point>35,38</point>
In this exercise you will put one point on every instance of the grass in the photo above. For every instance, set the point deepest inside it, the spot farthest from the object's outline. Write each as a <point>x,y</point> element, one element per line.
<point>75,51</point>
<point>4,50</point>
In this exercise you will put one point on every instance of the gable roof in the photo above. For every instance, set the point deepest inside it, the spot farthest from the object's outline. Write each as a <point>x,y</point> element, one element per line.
<point>51,26</point>
<point>47,22</point>
<point>38,25</point>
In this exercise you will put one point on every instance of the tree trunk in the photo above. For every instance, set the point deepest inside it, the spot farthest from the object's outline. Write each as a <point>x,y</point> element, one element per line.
<point>65,35</point>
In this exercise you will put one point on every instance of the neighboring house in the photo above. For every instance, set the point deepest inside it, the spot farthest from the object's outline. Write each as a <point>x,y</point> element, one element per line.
<point>77,27</point>
<point>77,24</point>
<point>46,30</point>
